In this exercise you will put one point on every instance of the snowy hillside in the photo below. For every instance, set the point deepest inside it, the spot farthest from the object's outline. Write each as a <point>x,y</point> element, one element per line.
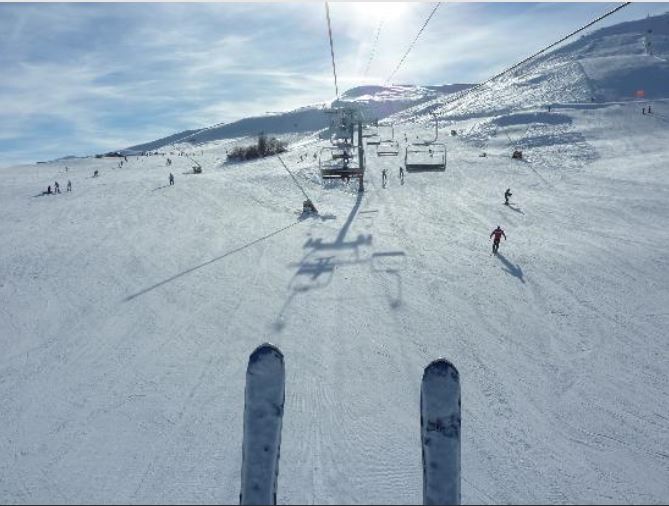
<point>376,102</point>
<point>129,307</point>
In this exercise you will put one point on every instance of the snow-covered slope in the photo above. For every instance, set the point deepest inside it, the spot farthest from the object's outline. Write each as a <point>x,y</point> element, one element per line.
<point>128,309</point>
<point>376,102</point>
<point>611,64</point>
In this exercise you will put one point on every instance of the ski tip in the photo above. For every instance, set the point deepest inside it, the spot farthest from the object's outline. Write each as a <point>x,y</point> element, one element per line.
<point>442,367</point>
<point>263,351</point>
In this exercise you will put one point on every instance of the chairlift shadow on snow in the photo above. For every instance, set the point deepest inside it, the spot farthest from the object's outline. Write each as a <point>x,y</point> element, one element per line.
<point>391,263</point>
<point>514,270</point>
<point>317,267</point>
<point>204,264</point>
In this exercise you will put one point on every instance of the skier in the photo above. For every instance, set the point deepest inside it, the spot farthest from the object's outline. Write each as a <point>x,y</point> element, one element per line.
<point>402,174</point>
<point>95,174</point>
<point>56,187</point>
<point>384,177</point>
<point>648,109</point>
<point>171,179</point>
<point>48,190</point>
<point>69,185</point>
<point>507,194</point>
<point>498,233</point>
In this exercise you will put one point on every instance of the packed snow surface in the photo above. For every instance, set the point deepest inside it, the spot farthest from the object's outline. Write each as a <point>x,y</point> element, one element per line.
<point>129,308</point>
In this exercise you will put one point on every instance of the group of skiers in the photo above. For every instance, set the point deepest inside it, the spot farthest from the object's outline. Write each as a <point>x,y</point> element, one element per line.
<point>56,188</point>
<point>384,176</point>
<point>498,233</point>
<point>643,110</point>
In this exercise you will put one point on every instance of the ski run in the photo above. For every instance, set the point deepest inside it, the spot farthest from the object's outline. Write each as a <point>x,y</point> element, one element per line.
<point>129,307</point>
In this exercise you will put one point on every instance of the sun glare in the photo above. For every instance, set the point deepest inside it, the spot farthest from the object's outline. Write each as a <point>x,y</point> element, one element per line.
<point>389,11</point>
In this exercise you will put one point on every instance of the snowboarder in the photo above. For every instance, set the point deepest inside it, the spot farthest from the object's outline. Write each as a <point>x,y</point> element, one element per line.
<point>69,185</point>
<point>498,233</point>
<point>384,177</point>
<point>507,194</point>
<point>171,179</point>
<point>56,187</point>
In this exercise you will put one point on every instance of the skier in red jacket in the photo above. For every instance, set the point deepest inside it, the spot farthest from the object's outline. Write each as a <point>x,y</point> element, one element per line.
<point>498,233</point>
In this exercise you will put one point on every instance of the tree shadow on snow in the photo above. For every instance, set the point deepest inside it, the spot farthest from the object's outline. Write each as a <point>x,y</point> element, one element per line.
<point>514,270</point>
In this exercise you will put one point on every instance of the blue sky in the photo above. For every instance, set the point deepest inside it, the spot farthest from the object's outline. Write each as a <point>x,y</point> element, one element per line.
<point>82,78</point>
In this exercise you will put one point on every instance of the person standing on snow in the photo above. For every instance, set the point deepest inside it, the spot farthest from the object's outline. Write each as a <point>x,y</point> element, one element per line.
<point>507,194</point>
<point>69,185</point>
<point>171,179</point>
<point>56,187</point>
<point>498,233</point>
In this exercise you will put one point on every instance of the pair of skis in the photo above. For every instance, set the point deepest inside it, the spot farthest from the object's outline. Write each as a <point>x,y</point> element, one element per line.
<point>263,417</point>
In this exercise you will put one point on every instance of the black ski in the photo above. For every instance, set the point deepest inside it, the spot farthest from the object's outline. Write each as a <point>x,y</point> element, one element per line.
<point>263,417</point>
<point>440,433</point>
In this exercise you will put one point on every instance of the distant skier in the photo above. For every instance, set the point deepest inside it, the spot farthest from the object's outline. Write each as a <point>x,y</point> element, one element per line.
<point>498,233</point>
<point>95,174</point>
<point>69,185</point>
<point>171,179</point>
<point>648,109</point>
<point>507,194</point>
<point>384,177</point>
<point>48,190</point>
<point>56,187</point>
<point>401,174</point>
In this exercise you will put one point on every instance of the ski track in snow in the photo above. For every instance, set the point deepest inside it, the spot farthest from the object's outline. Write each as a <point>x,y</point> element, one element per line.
<point>128,309</point>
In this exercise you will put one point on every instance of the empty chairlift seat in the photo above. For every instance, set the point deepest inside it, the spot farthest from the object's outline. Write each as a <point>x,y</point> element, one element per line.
<point>388,148</point>
<point>425,158</point>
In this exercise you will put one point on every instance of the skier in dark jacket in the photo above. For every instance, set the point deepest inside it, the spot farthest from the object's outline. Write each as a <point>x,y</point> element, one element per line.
<point>498,233</point>
<point>171,179</point>
<point>507,194</point>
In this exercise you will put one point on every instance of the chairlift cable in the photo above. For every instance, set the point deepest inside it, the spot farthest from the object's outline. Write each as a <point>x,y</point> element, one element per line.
<point>413,43</point>
<point>334,68</point>
<point>509,69</point>
<point>372,53</point>
<point>294,179</point>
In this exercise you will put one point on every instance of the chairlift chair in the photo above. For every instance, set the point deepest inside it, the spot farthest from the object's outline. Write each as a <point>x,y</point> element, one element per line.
<point>425,157</point>
<point>335,164</point>
<point>388,148</point>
